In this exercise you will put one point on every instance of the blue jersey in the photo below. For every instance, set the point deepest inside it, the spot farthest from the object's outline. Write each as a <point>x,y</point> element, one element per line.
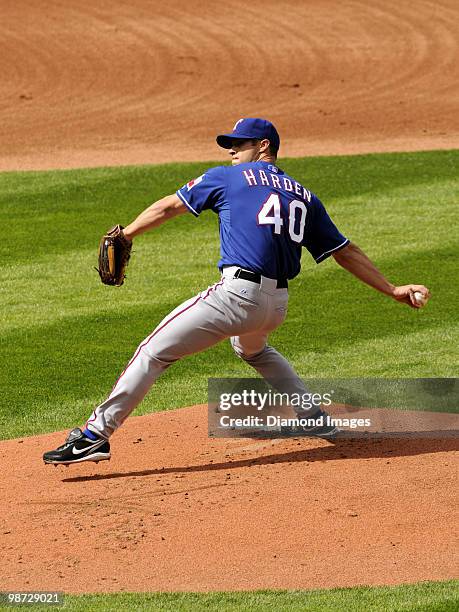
<point>265,218</point>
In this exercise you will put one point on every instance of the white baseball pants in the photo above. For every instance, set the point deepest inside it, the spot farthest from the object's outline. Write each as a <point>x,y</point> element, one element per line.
<point>233,308</point>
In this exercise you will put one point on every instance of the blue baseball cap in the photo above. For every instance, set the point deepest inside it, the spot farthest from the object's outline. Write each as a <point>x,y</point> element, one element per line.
<point>258,129</point>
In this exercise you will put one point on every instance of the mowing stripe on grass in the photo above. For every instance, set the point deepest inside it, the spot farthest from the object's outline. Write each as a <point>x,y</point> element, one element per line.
<point>59,343</point>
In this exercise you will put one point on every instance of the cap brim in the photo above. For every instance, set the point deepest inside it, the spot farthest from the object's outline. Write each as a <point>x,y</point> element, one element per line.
<point>225,140</point>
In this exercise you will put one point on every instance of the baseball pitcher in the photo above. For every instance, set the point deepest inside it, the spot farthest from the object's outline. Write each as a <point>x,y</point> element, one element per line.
<point>265,219</point>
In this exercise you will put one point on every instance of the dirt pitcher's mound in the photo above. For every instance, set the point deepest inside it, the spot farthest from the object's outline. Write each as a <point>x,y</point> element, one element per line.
<point>175,510</point>
<point>107,83</point>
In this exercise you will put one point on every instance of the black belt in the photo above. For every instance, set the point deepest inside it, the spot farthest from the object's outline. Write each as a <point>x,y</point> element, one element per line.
<point>255,277</point>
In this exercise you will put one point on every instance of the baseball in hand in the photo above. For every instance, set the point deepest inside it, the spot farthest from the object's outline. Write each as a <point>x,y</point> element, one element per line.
<point>420,298</point>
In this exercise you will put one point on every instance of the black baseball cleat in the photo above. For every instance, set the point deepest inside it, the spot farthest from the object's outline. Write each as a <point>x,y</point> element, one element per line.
<point>319,426</point>
<point>78,448</point>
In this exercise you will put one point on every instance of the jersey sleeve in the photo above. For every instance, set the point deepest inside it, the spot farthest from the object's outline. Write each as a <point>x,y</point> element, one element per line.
<point>322,237</point>
<point>204,192</point>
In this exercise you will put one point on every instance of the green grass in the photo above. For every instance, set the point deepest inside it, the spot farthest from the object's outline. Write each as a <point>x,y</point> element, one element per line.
<point>425,596</point>
<point>65,337</point>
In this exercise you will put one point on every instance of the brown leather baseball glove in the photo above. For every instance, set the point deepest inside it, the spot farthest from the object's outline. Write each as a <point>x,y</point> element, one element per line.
<point>114,254</point>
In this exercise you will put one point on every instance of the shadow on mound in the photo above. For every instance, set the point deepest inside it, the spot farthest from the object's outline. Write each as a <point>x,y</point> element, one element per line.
<point>341,449</point>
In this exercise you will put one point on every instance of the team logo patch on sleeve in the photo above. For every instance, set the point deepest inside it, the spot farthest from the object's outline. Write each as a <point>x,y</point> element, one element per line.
<point>194,182</point>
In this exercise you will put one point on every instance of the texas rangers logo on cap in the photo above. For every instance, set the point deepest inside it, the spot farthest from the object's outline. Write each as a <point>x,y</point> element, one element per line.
<point>250,128</point>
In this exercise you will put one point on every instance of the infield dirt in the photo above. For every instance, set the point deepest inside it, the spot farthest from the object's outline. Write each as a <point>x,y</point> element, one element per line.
<point>176,511</point>
<point>123,83</point>
<point>113,82</point>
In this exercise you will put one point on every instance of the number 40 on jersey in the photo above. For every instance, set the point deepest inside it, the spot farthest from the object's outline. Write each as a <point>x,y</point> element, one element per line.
<point>270,214</point>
